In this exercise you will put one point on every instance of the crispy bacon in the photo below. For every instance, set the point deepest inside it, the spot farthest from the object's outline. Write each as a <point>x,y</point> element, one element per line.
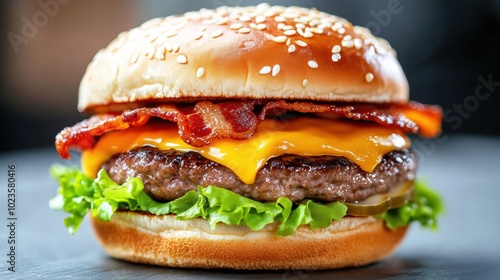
<point>205,121</point>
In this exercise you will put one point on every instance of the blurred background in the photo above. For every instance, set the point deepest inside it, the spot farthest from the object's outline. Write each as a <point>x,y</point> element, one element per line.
<point>448,49</point>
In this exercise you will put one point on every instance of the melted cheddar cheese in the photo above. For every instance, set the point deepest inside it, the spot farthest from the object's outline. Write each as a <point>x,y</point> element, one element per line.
<point>363,143</point>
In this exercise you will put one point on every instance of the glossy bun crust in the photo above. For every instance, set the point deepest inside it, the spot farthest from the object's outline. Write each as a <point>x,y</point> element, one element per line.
<point>260,52</point>
<point>166,241</point>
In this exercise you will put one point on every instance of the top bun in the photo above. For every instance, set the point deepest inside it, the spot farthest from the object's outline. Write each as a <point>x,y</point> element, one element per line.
<point>260,52</point>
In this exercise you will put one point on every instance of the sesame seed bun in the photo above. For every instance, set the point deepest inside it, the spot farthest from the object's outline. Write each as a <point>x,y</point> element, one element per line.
<point>262,52</point>
<point>164,240</point>
<point>258,52</point>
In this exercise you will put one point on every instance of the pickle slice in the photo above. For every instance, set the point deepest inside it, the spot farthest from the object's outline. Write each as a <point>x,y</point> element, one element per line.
<point>380,203</point>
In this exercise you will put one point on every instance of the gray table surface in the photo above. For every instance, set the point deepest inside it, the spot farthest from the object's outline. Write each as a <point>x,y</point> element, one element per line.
<point>464,169</point>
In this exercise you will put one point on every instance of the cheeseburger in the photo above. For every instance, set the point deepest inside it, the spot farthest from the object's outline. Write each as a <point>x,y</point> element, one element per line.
<point>262,137</point>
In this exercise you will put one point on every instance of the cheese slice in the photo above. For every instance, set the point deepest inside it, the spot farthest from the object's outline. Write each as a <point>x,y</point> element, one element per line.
<point>363,143</point>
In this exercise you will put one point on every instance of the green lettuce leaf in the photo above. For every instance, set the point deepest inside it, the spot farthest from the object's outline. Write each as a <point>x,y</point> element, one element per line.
<point>424,208</point>
<point>78,195</point>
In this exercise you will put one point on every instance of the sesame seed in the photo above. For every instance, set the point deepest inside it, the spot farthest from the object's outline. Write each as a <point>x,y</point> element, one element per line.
<point>245,18</point>
<point>358,43</point>
<point>260,19</point>
<point>290,14</point>
<point>299,21</point>
<point>269,13</point>
<point>290,32</point>
<point>169,47</point>
<point>265,70</point>
<point>253,25</point>
<point>341,30</point>
<point>301,43</point>
<point>175,48</point>
<point>261,26</point>
<point>171,33</point>
<point>369,77</point>
<point>153,38</point>
<point>182,59</point>
<point>159,56</point>
<point>306,18</point>
<point>244,30</point>
<point>279,19</point>
<point>336,49</point>
<point>347,43</point>
<point>160,53</point>
<point>336,57</point>
<point>263,6</point>
<point>288,27</point>
<point>203,28</point>
<point>324,26</point>
<point>222,21</point>
<point>200,72</point>
<point>313,64</point>
<point>237,25</point>
<point>336,26</point>
<point>281,25</point>
<point>279,39</point>
<point>317,30</point>
<point>134,58</point>
<point>307,35</point>
<point>150,52</point>
<point>300,25</point>
<point>291,48</point>
<point>372,49</point>
<point>276,70</point>
<point>198,35</point>
<point>305,82</point>
<point>217,33</point>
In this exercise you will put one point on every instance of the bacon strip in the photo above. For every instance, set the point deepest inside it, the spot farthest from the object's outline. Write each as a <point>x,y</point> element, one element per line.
<point>206,121</point>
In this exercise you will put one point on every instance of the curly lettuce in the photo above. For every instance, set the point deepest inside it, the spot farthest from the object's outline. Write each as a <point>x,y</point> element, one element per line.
<point>102,197</point>
<point>424,208</point>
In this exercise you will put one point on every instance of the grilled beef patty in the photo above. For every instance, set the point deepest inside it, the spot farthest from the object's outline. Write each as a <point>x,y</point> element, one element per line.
<point>168,175</point>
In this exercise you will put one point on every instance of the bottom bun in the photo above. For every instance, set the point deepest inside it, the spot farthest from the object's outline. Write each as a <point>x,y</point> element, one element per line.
<point>164,240</point>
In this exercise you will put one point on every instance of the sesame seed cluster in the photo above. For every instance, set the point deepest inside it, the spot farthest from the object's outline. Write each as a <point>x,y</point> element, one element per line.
<point>294,25</point>
<point>295,47</point>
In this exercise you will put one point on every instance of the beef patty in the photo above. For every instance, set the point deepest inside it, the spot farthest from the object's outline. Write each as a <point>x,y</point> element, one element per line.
<point>169,174</point>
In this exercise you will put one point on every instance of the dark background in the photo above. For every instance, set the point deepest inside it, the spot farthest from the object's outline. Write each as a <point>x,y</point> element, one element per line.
<point>449,51</point>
